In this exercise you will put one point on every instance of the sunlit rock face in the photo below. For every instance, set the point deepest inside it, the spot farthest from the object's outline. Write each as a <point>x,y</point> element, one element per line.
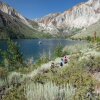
<point>80,16</point>
<point>12,12</point>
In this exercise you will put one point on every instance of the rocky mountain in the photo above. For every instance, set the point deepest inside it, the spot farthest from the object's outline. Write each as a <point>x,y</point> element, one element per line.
<point>14,25</point>
<point>12,12</point>
<point>72,20</point>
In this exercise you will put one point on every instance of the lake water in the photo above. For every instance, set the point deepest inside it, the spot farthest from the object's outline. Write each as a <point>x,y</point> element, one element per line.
<point>32,48</point>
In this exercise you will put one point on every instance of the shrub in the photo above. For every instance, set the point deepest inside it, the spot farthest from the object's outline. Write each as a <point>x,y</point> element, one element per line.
<point>3,82</point>
<point>3,73</point>
<point>15,94</point>
<point>92,64</point>
<point>15,78</point>
<point>76,48</point>
<point>88,38</point>
<point>44,58</point>
<point>58,50</point>
<point>49,91</point>
<point>12,58</point>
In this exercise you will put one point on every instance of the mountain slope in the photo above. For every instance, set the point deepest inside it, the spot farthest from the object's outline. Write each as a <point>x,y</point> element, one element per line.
<point>12,12</point>
<point>14,25</point>
<point>13,28</point>
<point>89,31</point>
<point>68,23</point>
<point>79,17</point>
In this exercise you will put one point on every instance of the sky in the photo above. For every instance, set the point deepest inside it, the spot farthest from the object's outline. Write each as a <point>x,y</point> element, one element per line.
<point>38,8</point>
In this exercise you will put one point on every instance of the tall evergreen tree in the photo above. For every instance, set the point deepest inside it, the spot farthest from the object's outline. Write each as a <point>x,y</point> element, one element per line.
<point>12,58</point>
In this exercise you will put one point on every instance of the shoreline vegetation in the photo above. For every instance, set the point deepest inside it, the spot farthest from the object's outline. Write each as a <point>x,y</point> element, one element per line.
<point>77,80</point>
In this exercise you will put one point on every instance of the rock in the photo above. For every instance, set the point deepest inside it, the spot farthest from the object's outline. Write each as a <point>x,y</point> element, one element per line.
<point>80,16</point>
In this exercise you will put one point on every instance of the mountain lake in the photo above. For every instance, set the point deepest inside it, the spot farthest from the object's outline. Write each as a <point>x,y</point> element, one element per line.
<point>37,47</point>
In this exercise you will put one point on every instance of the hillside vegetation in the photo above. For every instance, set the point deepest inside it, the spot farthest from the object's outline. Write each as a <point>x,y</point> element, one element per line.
<point>74,81</point>
<point>89,31</point>
<point>12,27</point>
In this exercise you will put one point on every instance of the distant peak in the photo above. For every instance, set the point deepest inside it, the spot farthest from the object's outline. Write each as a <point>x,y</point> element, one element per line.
<point>80,16</point>
<point>93,1</point>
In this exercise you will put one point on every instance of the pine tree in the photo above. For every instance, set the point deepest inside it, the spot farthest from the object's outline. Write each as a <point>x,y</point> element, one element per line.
<point>12,58</point>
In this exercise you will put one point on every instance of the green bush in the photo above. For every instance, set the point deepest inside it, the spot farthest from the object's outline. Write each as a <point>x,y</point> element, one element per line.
<point>12,58</point>
<point>59,50</point>
<point>92,64</point>
<point>15,94</point>
<point>88,38</point>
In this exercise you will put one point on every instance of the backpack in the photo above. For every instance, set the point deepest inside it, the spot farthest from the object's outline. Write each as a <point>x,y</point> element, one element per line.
<point>61,64</point>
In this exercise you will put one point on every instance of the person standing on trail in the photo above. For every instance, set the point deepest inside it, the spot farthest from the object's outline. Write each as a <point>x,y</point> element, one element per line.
<point>65,60</point>
<point>62,62</point>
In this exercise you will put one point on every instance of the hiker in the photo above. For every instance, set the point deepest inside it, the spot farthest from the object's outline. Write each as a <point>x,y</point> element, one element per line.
<point>61,63</point>
<point>65,60</point>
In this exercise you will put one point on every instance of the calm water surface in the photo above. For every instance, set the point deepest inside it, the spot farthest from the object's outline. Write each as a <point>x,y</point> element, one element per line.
<point>31,47</point>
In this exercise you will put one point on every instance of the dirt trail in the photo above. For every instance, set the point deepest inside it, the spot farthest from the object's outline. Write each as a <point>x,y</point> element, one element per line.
<point>46,66</point>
